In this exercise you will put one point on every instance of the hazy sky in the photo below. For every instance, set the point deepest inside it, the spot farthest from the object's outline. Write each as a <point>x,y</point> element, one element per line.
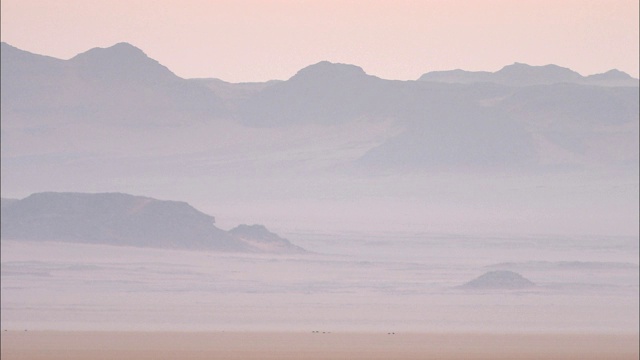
<point>257,40</point>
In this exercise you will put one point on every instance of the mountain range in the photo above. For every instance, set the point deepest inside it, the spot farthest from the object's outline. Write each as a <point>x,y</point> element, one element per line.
<point>444,120</point>
<point>113,119</point>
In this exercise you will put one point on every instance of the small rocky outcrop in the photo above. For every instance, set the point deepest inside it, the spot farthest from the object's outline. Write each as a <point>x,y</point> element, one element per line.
<point>499,279</point>
<point>257,236</point>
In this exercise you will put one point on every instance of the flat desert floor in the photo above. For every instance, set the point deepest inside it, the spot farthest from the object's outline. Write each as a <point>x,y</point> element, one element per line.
<point>53,345</point>
<point>352,297</point>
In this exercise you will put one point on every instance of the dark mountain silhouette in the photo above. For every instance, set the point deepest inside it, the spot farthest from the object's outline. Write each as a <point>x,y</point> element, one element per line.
<point>483,125</point>
<point>330,73</point>
<point>499,279</point>
<point>116,85</point>
<point>120,62</point>
<point>519,74</point>
<point>612,78</point>
<point>523,74</point>
<point>324,93</point>
<point>122,219</point>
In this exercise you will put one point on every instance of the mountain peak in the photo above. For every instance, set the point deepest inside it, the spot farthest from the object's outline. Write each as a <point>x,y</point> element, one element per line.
<point>528,74</point>
<point>613,74</point>
<point>118,52</point>
<point>612,77</point>
<point>125,45</point>
<point>326,70</point>
<point>123,60</point>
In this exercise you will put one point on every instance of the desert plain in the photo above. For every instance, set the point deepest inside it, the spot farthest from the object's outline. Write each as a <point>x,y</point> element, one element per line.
<point>58,345</point>
<point>351,296</point>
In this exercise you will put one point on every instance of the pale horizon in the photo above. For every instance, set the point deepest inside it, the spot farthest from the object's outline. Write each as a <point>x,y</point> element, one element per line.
<point>252,41</point>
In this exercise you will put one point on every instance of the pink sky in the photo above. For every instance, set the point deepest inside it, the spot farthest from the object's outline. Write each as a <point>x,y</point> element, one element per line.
<point>258,40</point>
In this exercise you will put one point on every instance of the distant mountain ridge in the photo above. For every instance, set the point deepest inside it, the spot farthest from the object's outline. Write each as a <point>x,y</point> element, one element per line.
<point>325,93</point>
<point>519,74</point>
<point>522,117</point>
<point>116,85</point>
<point>127,220</point>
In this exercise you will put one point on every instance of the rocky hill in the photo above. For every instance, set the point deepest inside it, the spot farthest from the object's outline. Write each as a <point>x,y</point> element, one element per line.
<point>122,219</point>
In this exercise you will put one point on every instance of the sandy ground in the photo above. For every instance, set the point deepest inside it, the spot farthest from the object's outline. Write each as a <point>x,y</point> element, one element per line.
<point>50,345</point>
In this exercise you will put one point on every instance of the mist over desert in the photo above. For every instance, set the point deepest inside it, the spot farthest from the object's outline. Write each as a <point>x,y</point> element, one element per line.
<point>367,297</point>
<point>319,180</point>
